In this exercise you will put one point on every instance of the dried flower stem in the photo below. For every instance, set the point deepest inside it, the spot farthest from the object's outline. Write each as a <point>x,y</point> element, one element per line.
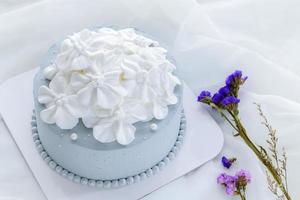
<point>280,163</point>
<point>223,115</point>
<point>242,195</point>
<point>260,153</point>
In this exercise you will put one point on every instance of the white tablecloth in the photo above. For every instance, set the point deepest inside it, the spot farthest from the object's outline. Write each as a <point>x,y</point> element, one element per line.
<point>209,39</point>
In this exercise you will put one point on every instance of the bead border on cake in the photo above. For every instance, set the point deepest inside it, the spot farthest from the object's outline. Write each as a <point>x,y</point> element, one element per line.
<point>108,183</point>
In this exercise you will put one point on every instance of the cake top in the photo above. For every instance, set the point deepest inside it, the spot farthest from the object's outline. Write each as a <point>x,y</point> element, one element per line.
<point>110,79</point>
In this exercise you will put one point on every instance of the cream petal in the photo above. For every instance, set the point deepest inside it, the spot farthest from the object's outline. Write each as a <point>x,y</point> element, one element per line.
<point>45,95</point>
<point>101,112</point>
<point>78,81</point>
<point>151,94</point>
<point>155,76</point>
<point>170,82</point>
<point>137,92</point>
<point>117,89</point>
<point>129,86</point>
<point>104,132</point>
<point>79,63</point>
<point>125,133</point>
<point>156,81</point>
<point>128,73</point>
<point>174,80</point>
<point>63,59</point>
<point>104,61</point>
<point>59,83</point>
<point>74,107</point>
<point>107,98</point>
<point>90,121</point>
<point>143,91</point>
<point>85,94</point>
<point>85,34</point>
<point>135,112</point>
<point>159,111</point>
<point>168,66</point>
<point>64,119</point>
<point>112,78</point>
<point>48,115</point>
<point>128,33</point>
<point>66,45</point>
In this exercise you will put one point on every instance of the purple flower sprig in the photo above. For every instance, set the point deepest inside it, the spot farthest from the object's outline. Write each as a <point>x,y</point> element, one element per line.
<point>226,102</point>
<point>227,96</point>
<point>235,185</point>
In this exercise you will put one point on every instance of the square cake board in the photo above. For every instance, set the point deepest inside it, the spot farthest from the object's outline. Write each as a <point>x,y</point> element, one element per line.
<point>203,141</point>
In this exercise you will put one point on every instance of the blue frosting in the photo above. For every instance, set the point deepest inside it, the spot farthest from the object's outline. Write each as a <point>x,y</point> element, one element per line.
<point>106,184</point>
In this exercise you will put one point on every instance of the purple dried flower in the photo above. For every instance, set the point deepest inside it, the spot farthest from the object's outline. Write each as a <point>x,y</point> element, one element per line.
<point>229,80</point>
<point>217,98</point>
<point>222,178</point>
<point>230,100</point>
<point>237,73</point>
<point>204,94</point>
<point>229,182</point>
<point>224,90</point>
<point>234,184</point>
<point>243,177</point>
<point>235,79</point>
<point>227,162</point>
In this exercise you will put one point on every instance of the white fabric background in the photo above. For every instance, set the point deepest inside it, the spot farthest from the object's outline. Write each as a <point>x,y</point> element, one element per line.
<point>209,39</point>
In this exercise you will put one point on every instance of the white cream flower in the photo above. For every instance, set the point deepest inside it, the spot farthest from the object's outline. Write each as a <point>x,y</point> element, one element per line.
<point>154,87</point>
<point>103,90</point>
<point>120,126</point>
<point>74,52</point>
<point>60,109</point>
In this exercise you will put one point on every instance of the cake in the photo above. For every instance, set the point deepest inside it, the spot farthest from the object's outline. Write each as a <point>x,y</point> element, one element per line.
<point>107,107</point>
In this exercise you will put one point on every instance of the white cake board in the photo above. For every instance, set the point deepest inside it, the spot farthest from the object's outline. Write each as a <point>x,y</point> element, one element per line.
<point>202,142</point>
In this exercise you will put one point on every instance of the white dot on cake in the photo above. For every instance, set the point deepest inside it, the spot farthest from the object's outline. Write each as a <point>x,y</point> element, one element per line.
<point>74,136</point>
<point>153,127</point>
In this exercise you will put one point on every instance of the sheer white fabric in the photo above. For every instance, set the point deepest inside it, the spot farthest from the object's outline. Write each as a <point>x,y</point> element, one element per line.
<point>208,39</point>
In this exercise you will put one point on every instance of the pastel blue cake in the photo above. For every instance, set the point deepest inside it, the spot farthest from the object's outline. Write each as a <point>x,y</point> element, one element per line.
<point>85,159</point>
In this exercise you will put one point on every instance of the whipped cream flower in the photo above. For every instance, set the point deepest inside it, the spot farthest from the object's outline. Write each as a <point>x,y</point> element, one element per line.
<point>119,126</point>
<point>103,90</point>
<point>154,87</point>
<point>74,55</point>
<point>61,109</point>
<point>110,79</point>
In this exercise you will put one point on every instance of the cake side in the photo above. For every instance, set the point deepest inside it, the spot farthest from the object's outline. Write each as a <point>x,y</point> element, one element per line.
<point>106,184</point>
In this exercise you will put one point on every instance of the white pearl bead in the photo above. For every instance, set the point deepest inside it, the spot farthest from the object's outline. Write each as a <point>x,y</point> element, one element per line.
<point>153,127</point>
<point>74,136</point>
